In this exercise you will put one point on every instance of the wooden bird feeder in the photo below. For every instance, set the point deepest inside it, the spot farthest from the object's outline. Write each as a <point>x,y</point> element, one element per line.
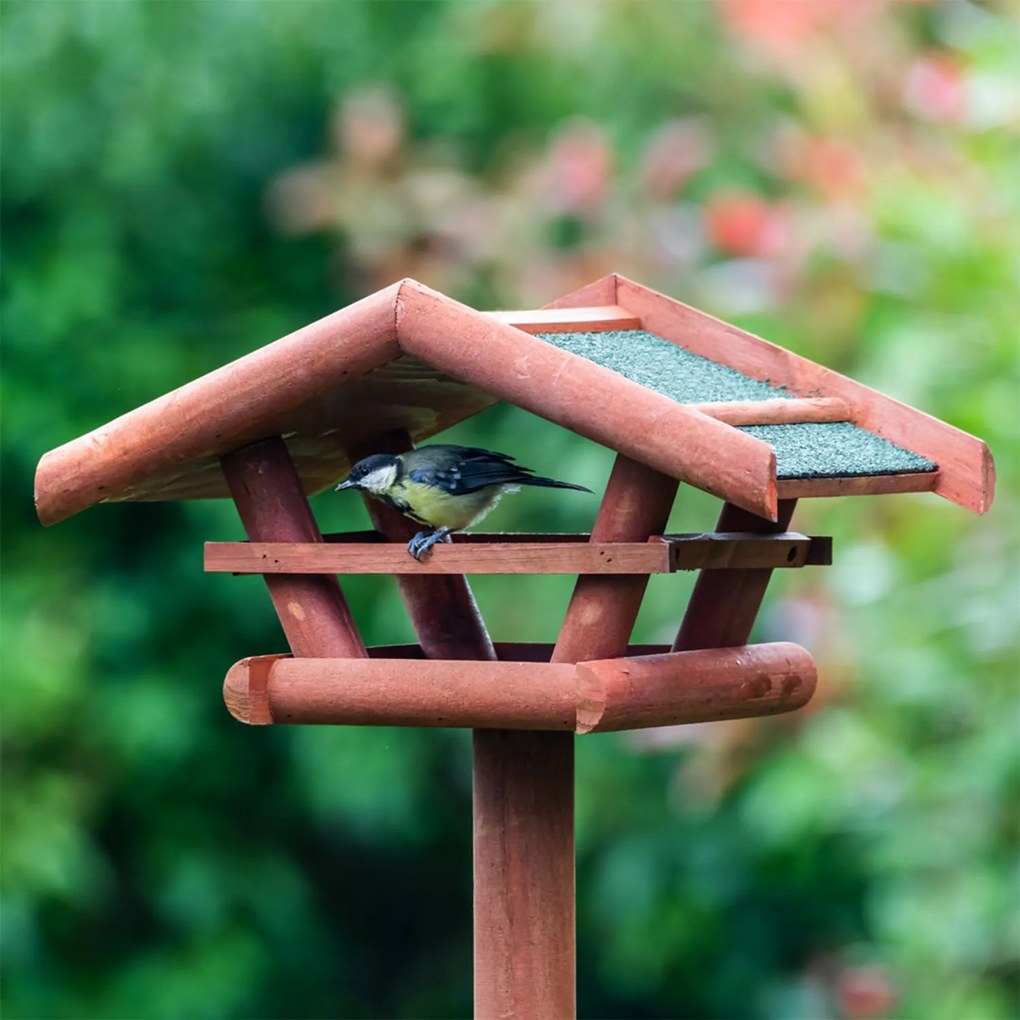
<point>679,395</point>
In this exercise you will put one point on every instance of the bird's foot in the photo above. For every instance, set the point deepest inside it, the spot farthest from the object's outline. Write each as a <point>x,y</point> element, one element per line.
<point>425,540</point>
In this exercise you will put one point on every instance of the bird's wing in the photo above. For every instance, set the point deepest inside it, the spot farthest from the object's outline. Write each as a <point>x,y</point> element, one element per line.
<point>471,469</point>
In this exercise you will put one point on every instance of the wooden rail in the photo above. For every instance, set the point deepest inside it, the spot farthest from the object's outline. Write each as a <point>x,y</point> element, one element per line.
<point>597,319</point>
<point>662,554</point>
<point>610,694</point>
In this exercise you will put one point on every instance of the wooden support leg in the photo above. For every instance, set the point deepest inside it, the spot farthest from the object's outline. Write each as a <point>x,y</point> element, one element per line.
<point>604,607</point>
<point>525,959</point>
<point>724,603</point>
<point>441,606</point>
<point>273,508</point>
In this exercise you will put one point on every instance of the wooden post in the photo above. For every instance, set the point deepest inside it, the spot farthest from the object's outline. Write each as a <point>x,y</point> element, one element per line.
<point>525,954</point>
<point>273,508</point>
<point>724,603</point>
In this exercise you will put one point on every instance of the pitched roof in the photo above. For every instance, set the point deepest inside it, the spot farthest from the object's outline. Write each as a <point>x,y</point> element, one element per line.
<point>616,362</point>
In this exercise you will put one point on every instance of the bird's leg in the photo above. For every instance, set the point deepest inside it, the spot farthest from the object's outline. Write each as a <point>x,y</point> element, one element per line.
<point>425,540</point>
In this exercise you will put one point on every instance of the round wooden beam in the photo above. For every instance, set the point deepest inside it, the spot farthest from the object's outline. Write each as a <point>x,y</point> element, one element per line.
<point>697,686</point>
<point>606,694</point>
<point>403,692</point>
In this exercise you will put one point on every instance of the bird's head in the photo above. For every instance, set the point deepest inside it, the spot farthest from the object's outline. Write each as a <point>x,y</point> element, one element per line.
<point>375,474</point>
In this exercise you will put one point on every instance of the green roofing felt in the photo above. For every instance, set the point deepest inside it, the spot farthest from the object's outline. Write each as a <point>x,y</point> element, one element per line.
<point>817,450</point>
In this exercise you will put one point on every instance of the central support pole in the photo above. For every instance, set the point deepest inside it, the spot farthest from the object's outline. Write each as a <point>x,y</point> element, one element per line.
<point>525,955</point>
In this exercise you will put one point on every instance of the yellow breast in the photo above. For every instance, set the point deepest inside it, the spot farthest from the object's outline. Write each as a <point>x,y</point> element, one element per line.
<point>429,505</point>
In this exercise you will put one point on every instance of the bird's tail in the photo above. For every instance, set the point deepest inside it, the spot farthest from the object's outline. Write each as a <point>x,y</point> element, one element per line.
<point>549,483</point>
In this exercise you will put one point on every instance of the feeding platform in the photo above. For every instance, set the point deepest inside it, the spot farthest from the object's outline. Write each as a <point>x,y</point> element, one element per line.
<point>679,395</point>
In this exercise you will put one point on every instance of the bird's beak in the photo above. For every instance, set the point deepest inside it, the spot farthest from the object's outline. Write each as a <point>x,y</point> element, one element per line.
<point>346,484</point>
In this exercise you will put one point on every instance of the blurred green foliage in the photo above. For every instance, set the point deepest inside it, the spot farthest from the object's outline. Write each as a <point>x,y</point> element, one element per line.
<point>183,182</point>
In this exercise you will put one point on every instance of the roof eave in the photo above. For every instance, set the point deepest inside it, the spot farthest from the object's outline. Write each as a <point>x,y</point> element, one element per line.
<point>229,407</point>
<point>966,473</point>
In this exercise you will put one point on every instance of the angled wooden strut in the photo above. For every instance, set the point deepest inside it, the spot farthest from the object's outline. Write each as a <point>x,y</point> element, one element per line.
<point>724,604</point>
<point>442,607</point>
<point>273,508</point>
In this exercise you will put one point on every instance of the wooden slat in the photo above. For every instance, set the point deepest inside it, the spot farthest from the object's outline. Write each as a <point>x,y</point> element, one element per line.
<point>589,399</point>
<point>794,488</point>
<point>600,319</point>
<point>781,411</point>
<point>393,558</point>
<point>966,470</point>
<point>660,555</point>
<point>741,551</point>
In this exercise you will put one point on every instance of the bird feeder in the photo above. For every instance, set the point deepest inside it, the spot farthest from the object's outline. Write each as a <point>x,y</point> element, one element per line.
<point>679,395</point>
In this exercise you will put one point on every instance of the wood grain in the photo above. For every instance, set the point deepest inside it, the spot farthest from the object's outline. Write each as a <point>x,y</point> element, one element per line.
<point>272,506</point>
<point>695,686</point>
<point>966,470</point>
<point>393,558</point>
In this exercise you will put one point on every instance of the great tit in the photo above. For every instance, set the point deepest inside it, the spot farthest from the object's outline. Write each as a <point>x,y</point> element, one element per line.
<point>445,487</point>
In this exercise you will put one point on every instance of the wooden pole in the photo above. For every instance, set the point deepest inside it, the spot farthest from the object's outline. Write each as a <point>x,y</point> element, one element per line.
<point>273,508</point>
<point>525,953</point>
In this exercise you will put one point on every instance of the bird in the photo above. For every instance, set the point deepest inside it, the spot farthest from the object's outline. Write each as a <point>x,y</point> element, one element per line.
<point>443,486</point>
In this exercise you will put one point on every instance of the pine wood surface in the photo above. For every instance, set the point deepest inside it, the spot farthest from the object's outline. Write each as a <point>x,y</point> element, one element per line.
<point>595,319</point>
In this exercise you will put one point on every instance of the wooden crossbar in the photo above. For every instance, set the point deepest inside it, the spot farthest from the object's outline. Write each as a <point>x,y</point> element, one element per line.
<point>618,693</point>
<point>778,411</point>
<point>662,554</point>
<point>598,319</point>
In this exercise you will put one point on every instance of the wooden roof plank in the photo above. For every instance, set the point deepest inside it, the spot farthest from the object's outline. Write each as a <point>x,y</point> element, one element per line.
<point>591,400</point>
<point>966,473</point>
<point>592,319</point>
<point>246,400</point>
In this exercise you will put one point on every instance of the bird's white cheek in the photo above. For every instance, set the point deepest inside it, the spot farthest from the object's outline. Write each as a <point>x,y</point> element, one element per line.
<point>380,480</point>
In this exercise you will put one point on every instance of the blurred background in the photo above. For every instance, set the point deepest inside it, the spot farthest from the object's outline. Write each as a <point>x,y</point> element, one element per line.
<point>185,182</point>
